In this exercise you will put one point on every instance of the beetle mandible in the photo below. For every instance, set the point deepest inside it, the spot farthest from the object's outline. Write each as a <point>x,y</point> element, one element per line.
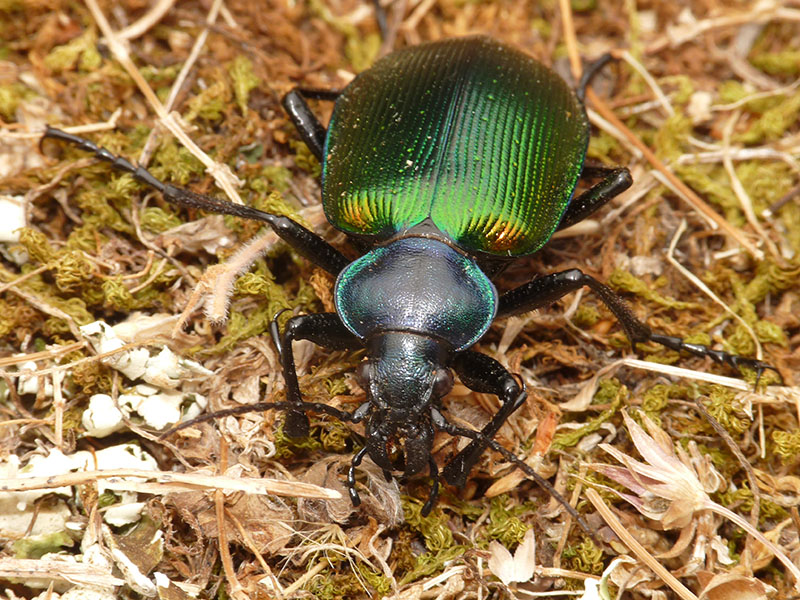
<point>448,160</point>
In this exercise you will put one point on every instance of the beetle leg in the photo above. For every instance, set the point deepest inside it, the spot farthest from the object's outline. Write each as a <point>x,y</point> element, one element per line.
<point>304,119</point>
<point>589,73</point>
<point>304,241</point>
<point>615,181</point>
<point>380,17</point>
<point>433,496</point>
<point>482,373</point>
<point>546,290</point>
<point>324,329</point>
<point>351,476</point>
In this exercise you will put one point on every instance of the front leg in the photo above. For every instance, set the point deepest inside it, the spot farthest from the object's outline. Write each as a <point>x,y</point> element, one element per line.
<point>546,290</point>
<point>484,374</point>
<point>324,329</point>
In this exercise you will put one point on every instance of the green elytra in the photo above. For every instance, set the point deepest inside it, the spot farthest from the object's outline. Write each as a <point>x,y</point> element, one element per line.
<point>480,138</point>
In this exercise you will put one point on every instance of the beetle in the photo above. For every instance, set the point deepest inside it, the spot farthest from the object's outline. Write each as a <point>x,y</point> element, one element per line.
<point>446,161</point>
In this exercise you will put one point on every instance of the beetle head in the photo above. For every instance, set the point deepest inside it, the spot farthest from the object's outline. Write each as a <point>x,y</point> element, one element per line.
<point>405,376</point>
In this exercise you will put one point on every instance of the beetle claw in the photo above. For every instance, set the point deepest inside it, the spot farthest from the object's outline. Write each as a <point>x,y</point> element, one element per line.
<point>275,332</point>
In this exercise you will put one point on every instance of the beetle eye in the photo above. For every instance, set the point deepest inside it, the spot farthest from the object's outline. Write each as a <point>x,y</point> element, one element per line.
<point>363,374</point>
<point>442,382</point>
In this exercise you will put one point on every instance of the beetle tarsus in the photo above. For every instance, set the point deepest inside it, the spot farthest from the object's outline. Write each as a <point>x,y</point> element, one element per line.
<point>433,495</point>
<point>351,476</point>
<point>546,290</point>
<point>589,73</point>
<point>718,356</point>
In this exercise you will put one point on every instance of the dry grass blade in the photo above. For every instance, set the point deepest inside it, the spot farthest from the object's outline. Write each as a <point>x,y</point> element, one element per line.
<point>633,544</point>
<point>169,482</point>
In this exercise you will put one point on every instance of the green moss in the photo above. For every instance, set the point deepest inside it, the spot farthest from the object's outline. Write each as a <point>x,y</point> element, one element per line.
<point>361,51</point>
<point>773,123</point>
<point>379,582</point>
<point>505,524</point>
<point>787,445</point>
<point>712,183</point>
<point>789,216</point>
<point>625,281</point>
<point>733,91</point>
<point>35,547</point>
<point>7,324</point>
<point>98,211</point>
<point>72,271</point>
<point>657,397</point>
<point>583,5</point>
<point>262,284</point>
<point>36,245</point>
<point>118,297</point>
<point>174,163</point>
<point>785,62</point>
<point>670,140</point>
<point>11,95</point>
<point>333,435</point>
<point>244,80</point>
<point>438,537</point>
<point>286,446</point>
<point>586,316</point>
<point>604,147</point>
<point>720,405</point>
<point>304,159</point>
<point>158,220</point>
<point>91,377</point>
<point>240,327</point>
<point>74,307</point>
<point>765,182</point>
<point>79,52</point>
<point>335,586</point>
<point>610,391</point>
<point>434,527</point>
<point>585,557</point>
<point>276,204</point>
<point>685,88</point>
<point>211,104</point>
<point>272,177</point>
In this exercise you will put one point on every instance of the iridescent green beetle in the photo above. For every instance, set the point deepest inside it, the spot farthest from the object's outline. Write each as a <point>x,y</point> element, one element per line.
<point>479,140</point>
<point>448,159</point>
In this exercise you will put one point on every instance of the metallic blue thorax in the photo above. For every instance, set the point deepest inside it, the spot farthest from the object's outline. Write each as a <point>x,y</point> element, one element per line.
<point>418,285</point>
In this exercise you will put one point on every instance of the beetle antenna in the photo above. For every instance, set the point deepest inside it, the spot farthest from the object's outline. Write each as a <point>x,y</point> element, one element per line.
<point>261,407</point>
<point>522,466</point>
